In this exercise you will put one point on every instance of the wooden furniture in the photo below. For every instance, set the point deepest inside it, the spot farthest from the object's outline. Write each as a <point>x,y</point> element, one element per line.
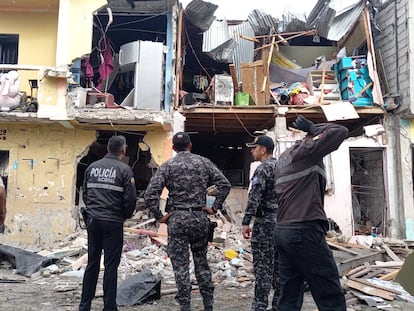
<point>326,86</point>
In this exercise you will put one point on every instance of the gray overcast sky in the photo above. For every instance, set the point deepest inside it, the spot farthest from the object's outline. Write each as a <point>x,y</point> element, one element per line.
<point>239,9</point>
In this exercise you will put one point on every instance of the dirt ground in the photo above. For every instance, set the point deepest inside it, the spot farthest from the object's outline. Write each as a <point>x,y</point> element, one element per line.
<point>62,293</point>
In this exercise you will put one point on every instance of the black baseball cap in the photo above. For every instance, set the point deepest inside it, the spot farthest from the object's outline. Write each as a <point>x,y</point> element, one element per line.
<point>262,140</point>
<point>181,139</point>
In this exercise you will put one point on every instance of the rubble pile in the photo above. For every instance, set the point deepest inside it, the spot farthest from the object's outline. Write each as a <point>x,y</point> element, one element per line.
<point>368,265</point>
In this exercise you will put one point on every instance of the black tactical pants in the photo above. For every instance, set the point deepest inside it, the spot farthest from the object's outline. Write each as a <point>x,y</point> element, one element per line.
<point>305,255</point>
<point>187,230</point>
<point>265,263</point>
<point>106,236</point>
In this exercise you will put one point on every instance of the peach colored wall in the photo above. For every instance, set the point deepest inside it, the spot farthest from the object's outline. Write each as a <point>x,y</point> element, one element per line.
<point>41,180</point>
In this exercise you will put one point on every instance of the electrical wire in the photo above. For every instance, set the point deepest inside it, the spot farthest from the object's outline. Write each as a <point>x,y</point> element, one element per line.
<point>138,30</point>
<point>140,20</point>
<point>195,55</point>
<point>241,123</point>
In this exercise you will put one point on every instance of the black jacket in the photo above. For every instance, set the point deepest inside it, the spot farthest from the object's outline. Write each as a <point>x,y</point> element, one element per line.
<point>300,175</point>
<point>109,189</point>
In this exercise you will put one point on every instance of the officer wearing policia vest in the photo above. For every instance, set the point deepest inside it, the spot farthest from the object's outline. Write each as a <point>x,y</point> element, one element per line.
<point>110,197</point>
<point>187,177</point>
<point>262,206</point>
<point>302,222</point>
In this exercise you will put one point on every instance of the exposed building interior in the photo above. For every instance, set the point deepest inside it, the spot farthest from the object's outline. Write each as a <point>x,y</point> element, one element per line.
<point>138,156</point>
<point>4,164</point>
<point>228,152</point>
<point>127,58</point>
<point>368,191</point>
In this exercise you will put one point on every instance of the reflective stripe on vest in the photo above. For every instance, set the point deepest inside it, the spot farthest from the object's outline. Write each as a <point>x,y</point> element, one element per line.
<point>300,174</point>
<point>105,186</point>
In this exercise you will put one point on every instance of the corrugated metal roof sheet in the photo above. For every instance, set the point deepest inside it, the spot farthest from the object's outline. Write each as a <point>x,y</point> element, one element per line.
<point>201,14</point>
<point>333,20</point>
<point>217,42</point>
<point>343,23</point>
<point>261,22</point>
<point>216,35</point>
<point>244,49</point>
<point>321,18</point>
<point>223,43</point>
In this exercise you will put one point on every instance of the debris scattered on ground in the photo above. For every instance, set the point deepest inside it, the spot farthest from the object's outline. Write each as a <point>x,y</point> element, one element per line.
<point>368,265</point>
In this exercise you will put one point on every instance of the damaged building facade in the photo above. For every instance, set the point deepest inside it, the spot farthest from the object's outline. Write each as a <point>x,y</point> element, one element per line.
<point>393,32</point>
<point>84,71</point>
<point>147,69</point>
<point>265,72</point>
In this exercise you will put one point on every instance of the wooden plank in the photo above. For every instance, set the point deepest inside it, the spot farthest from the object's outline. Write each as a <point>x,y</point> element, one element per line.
<point>322,86</point>
<point>350,251</point>
<point>390,253</point>
<point>370,290</point>
<point>365,282</point>
<point>144,232</point>
<point>388,264</point>
<point>252,39</point>
<point>252,75</point>
<point>269,59</point>
<point>360,257</point>
<point>347,264</point>
<point>362,272</point>
<point>162,241</point>
<point>355,270</point>
<point>234,77</point>
<point>374,273</point>
<point>390,276</point>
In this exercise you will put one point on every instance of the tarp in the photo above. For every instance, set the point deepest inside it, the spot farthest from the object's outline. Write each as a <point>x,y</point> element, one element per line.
<point>25,262</point>
<point>138,289</point>
<point>288,75</point>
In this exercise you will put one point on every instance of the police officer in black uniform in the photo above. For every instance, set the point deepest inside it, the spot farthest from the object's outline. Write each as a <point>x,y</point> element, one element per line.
<point>262,206</point>
<point>110,196</point>
<point>302,222</point>
<point>187,177</point>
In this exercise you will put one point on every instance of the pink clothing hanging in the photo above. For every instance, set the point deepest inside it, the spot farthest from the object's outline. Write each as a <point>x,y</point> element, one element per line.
<point>106,66</point>
<point>88,69</point>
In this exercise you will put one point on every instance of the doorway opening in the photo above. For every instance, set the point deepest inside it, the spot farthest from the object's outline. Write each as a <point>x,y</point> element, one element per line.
<point>368,191</point>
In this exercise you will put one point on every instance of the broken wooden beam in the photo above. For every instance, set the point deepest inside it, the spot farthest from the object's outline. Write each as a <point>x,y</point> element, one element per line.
<point>347,264</point>
<point>371,290</point>
<point>334,245</point>
<point>390,253</point>
<point>144,232</point>
<point>363,281</point>
<point>390,276</point>
<point>355,270</point>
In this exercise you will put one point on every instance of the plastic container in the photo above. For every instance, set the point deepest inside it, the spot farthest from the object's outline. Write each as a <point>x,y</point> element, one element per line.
<point>230,254</point>
<point>242,99</point>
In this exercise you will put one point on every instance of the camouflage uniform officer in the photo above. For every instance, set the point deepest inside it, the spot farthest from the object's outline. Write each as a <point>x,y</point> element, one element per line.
<point>187,177</point>
<point>262,205</point>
